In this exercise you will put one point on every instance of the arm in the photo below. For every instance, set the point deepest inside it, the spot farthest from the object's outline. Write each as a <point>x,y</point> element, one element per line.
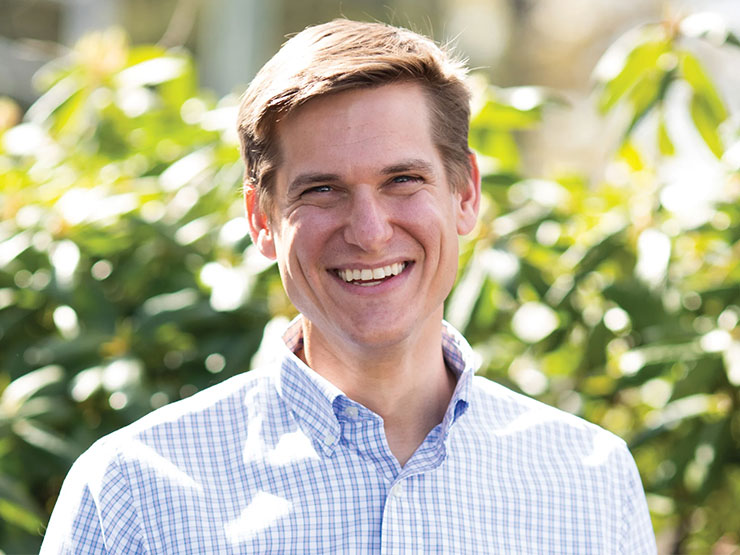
<point>75,525</point>
<point>94,512</point>
<point>637,529</point>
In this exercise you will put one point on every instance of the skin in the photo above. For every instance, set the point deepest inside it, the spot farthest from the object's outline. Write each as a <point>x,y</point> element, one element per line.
<point>360,186</point>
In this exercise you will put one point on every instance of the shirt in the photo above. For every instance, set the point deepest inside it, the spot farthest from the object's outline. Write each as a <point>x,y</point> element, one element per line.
<point>279,460</point>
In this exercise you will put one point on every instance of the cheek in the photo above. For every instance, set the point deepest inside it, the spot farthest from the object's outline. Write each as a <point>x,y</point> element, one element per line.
<point>432,222</point>
<point>301,244</point>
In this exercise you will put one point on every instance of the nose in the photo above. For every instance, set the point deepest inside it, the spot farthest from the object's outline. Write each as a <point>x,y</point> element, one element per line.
<point>368,225</point>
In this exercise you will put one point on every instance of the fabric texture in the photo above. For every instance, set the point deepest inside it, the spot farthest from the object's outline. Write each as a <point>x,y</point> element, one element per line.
<point>278,460</point>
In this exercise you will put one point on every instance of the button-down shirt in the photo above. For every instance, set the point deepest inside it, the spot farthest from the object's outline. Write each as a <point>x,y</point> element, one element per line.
<point>279,460</point>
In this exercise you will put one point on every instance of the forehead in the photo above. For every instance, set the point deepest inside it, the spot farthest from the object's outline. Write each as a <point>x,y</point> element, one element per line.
<point>355,128</point>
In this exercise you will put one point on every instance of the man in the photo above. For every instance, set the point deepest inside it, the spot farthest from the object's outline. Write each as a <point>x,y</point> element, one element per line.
<point>369,433</point>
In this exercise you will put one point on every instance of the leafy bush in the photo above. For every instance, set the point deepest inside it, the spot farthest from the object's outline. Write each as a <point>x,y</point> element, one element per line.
<point>127,279</point>
<point>619,298</point>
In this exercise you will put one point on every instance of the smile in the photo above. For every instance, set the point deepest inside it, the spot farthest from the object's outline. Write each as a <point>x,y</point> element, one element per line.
<point>370,276</point>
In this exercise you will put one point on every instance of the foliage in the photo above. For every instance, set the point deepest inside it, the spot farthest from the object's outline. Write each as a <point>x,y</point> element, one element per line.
<point>124,281</point>
<point>127,279</point>
<point>619,299</point>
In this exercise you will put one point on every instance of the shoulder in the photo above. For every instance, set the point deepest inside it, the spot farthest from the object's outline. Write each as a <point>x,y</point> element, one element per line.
<point>200,422</point>
<point>173,449</point>
<point>548,463</point>
<point>502,406</point>
<point>533,440</point>
<point>504,412</point>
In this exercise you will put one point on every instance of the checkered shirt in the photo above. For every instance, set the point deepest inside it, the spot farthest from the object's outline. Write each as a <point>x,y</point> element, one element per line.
<point>278,460</point>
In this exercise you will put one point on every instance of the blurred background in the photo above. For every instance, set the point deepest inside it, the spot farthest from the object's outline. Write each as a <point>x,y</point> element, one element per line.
<point>603,278</point>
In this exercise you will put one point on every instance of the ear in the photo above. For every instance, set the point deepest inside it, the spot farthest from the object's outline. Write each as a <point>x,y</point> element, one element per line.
<point>259,223</point>
<point>468,199</point>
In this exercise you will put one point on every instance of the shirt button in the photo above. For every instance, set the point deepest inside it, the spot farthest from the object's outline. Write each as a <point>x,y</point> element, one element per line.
<point>397,490</point>
<point>351,412</point>
<point>328,438</point>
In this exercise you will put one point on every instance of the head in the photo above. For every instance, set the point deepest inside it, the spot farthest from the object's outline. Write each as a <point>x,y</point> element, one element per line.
<point>343,55</point>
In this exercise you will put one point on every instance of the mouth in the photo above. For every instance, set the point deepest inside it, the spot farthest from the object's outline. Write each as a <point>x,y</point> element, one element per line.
<point>368,277</point>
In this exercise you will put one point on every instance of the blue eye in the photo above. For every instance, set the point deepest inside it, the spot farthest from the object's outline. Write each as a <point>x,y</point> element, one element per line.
<point>405,179</point>
<point>318,189</point>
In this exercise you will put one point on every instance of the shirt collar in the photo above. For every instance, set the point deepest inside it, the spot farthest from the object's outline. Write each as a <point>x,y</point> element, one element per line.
<point>317,402</point>
<point>464,362</point>
<point>310,396</point>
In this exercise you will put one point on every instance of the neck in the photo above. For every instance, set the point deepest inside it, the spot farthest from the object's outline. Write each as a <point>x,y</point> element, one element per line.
<point>407,384</point>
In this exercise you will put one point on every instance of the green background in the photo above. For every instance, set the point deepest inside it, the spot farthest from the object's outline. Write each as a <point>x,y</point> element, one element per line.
<point>127,279</point>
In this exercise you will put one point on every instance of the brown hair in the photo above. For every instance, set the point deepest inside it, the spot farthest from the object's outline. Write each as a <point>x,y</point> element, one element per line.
<point>342,55</point>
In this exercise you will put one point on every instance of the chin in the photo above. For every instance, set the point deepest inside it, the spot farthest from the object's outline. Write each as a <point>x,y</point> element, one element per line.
<point>377,335</point>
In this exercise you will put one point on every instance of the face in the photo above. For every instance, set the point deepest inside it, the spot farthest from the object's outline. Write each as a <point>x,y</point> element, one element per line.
<point>365,224</point>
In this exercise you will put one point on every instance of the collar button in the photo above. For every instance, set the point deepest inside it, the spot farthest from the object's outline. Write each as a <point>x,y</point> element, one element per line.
<point>328,439</point>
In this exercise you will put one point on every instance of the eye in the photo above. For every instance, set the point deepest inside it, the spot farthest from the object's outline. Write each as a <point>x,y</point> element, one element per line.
<point>318,189</point>
<point>406,179</point>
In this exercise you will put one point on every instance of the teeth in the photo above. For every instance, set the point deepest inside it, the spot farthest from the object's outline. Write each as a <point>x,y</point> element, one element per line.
<point>367,274</point>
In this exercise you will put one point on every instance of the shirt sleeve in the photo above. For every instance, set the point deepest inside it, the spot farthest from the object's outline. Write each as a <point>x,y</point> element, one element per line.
<point>638,536</point>
<point>94,512</point>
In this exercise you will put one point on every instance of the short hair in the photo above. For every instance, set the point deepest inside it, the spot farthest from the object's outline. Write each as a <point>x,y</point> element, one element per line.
<point>343,55</point>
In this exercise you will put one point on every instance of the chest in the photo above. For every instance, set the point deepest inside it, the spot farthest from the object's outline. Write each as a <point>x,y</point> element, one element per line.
<point>475,500</point>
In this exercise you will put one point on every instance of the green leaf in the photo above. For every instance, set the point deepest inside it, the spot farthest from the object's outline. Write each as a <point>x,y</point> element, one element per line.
<point>17,515</point>
<point>499,145</point>
<point>176,91</point>
<point>695,75</point>
<point>665,145</point>
<point>152,72</point>
<point>706,122</point>
<point>732,39</point>
<point>702,376</point>
<point>45,439</point>
<point>598,253</point>
<point>631,156</point>
<point>642,61</point>
<point>497,115</point>
<point>143,52</point>
<point>69,119</point>
<point>48,103</point>
<point>17,495</point>
<point>23,388</point>
<point>460,305</point>
<point>648,92</point>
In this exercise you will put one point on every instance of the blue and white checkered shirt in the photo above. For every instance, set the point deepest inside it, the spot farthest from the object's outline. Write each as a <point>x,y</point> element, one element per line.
<point>278,460</point>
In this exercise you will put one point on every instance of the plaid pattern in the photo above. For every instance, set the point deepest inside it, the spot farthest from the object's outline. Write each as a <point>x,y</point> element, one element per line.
<point>278,460</point>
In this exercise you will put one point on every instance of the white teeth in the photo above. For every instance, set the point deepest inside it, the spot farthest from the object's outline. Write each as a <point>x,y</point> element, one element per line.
<point>367,274</point>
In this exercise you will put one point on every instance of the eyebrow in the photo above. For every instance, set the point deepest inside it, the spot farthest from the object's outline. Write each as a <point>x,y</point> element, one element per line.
<point>304,179</point>
<point>410,165</point>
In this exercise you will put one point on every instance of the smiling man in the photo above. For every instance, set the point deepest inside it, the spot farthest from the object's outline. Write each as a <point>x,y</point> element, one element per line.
<point>364,224</point>
<point>369,432</point>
